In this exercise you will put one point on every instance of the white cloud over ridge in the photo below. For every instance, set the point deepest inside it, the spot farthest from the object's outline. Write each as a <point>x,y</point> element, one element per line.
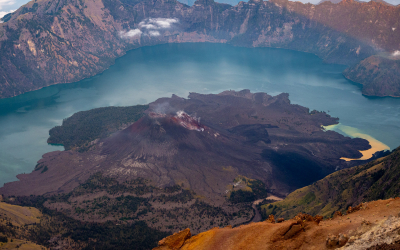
<point>157,23</point>
<point>151,27</point>
<point>4,3</point>
<point>154,33</point>
<point>3,13</point>
<point>130,34</point>
<point>396,53</point>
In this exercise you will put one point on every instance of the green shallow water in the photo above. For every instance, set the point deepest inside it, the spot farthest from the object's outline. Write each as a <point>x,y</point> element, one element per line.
<point>145,74</point>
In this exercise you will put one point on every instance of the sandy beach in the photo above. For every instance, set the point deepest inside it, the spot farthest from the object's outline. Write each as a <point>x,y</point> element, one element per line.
<point>376,145</point>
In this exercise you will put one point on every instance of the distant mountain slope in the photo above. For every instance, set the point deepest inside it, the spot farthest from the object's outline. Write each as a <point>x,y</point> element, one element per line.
<point>48,42</point>
<point>379,75</point>
<point>382,1</point>
<point>332,1</point>
<point>378,179</point>
<point>338,1</point>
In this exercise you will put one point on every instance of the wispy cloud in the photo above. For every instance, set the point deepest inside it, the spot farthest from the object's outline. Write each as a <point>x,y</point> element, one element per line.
<point>154,33</point>
<point>151,27</point>
<point>157,23</point>
<point>131,33</point>
<point>5,3</point>
<point>396,53</point>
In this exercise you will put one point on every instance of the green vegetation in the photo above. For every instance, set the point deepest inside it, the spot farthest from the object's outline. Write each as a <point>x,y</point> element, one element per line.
<point>87,235</point>
<point>79,234</point>
<point>110,236</point>
<point>182,197</point>
<point>83,127</point>
<point>104,213</point>
<point>241,196</point>
<point>250,190</point>
<point>98,182</point>
<point>309,197</point>
<point>349,187</point>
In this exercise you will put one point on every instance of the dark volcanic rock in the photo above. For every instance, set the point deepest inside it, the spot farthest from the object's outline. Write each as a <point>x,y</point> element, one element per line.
<point>239,133</point>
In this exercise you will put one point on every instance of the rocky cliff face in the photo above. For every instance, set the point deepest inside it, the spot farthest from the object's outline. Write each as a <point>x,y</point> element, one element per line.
<point>379,75</point>
<point>48,42</point>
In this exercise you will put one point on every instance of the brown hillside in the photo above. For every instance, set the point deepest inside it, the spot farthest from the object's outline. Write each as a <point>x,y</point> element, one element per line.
<point>375,225</point>
<point>14,222</point>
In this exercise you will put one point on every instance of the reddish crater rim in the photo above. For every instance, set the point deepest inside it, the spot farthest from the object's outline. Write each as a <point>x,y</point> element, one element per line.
<point>183,119</point>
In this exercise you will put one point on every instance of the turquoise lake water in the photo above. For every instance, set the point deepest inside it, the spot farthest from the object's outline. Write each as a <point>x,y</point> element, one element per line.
<point>145,74</point>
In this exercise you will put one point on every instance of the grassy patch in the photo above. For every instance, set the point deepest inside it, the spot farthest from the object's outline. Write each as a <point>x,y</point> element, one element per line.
<point>79,130</point>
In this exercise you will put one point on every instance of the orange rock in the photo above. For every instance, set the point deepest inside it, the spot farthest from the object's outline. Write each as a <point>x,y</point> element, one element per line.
<point>337,213</point>
<point>293,231</point>
<point>343,239</point>
<point>281,220</point>
<point>271,218</point>
<point>365,222</point>
<point>175,241</point>
<point>318,218</point>
<point>354,209</point>
<point>300,217</point>
<point>334,241</point>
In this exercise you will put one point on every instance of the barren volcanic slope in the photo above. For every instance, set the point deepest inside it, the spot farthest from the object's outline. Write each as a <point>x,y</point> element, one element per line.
<point>239,133</point>
<point>47,42</point>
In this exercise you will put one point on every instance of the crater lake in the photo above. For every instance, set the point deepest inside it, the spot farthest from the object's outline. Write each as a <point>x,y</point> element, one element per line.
<point>147,73</point>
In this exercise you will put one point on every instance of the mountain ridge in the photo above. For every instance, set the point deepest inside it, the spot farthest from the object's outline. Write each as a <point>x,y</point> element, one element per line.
<point>75,42</point>
<point>343,189</point>
<point>338,1</point>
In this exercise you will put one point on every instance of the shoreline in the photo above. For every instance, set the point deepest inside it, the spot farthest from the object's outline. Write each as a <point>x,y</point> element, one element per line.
<point>376,146</point>
<point>113,61</point>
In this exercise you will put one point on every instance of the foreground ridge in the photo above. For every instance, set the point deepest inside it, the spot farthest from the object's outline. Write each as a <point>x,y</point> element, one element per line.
<point>370,225</point>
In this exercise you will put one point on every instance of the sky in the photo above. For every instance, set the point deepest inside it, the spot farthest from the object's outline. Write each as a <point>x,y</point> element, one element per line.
<point>11,5</point>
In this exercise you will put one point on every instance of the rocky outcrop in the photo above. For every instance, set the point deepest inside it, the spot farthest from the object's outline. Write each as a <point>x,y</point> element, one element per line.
<point>383,232</point>
<point>175,241</point>
<point>47,42</point>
